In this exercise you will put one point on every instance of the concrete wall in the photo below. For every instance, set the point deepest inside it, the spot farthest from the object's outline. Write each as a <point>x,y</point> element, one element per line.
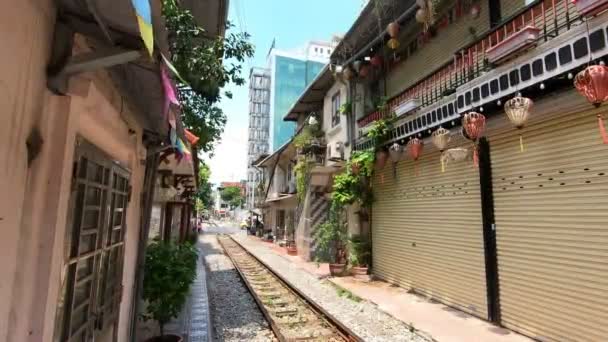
<point>339,133</point>
<point>33,208</point>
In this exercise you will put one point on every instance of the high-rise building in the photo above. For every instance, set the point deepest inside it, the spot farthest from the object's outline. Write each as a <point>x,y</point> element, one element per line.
<point>272,92</point>
<point>290,74</point>
<point>259,122</point>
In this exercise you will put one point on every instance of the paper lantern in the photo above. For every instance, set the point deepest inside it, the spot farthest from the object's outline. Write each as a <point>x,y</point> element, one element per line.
<point>473,125</point>
<point>414,150</point>
<point>395,152</point>
<point>441,138</point>
<point>364,71</point>
<point>592,83</point>
<point>421,15</point>
<point>376,61</point>
<point>518,111</point>
<point>381,157</point>
<point>393,44</point>
<point>393,29</point>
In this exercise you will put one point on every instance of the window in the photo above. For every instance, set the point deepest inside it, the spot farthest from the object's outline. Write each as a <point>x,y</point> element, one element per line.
<point>335,110</point>
<point>92,289</point>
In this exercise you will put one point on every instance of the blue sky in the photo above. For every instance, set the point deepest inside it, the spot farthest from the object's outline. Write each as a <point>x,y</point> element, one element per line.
<point>292,23</point>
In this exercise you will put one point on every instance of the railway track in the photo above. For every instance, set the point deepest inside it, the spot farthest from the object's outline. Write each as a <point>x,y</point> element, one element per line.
<point>291,314</point>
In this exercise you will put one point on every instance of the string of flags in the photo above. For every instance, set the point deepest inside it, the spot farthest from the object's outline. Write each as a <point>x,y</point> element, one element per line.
<point>143,13</point>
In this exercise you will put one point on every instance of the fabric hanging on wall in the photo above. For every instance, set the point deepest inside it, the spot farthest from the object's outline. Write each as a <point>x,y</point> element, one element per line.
<point>173,69</point>
<point>144,21</point>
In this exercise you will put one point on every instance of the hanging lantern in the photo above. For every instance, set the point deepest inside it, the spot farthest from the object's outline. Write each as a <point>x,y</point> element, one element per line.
<point>421,15</point>
<point>395,152</point>
<point>357,65</point>
<point>364,71</point>
<point>441,138</point>
<point>381,157</point>
<point>473,125</point>
<point>592,83</point>
<point>518,111</point>
<point>393,29</point>
<point>376,61</point>
<point>393,44</point>
<point>393,32</point>
<point>414,150</point>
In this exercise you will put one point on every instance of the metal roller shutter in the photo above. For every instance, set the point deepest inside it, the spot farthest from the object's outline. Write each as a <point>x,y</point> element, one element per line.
<point>427,231</point>
<point>551,212</point>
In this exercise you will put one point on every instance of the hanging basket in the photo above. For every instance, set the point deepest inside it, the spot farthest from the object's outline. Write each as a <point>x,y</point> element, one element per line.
<point>592,83</point>
<point>518,111</point>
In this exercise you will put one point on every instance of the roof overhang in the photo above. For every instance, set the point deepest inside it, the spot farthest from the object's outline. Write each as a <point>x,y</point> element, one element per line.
<point>283,201</point>
<point>211,15</point>
<point>312,97</point>
<point>285,151</point>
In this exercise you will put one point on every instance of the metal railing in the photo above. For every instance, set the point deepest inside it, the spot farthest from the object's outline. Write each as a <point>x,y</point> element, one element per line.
<point>552,17</point>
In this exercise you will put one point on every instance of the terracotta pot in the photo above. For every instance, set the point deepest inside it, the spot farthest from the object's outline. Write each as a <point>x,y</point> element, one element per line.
<point>166,338</point>
<point>292,250</point>
<point>336,269</point>
<point>359,271</point>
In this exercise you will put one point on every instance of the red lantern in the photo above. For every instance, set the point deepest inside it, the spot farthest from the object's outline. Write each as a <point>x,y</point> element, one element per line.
<point>592,83</point>
<point>414,150</point>
<point>376,61</point>
<point>473,125</point>
<point>364,71</point>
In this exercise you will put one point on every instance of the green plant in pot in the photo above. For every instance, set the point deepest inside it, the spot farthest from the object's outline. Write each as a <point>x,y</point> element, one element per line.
<point>331,240</point>
<point>169,271</point>
<point>359,255</point>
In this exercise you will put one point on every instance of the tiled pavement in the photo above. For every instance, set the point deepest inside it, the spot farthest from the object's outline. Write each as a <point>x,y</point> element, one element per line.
<point>194,321</point>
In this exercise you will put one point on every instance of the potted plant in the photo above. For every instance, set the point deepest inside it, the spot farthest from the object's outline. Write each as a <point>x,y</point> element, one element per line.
<point>169,271</point>
<point>358,255</point>
<point>331,236</point>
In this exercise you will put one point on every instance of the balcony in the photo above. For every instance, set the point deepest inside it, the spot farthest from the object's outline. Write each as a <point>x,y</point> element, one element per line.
<point>470,80</point>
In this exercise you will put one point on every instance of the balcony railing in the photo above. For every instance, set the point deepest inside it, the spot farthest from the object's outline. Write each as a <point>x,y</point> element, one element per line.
<point>552,17</point>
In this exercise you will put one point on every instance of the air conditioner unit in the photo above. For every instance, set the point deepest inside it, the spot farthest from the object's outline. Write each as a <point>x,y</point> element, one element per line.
<point>336,151</point>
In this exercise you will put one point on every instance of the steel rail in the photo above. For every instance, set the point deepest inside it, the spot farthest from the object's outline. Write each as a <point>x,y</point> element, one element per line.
<point>340,331</point>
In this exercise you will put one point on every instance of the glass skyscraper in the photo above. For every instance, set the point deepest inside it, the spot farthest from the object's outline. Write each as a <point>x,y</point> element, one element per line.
<point>290,74</point>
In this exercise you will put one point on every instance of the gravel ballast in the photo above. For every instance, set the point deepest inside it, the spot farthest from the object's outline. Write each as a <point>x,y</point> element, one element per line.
<point>363,317</point>
<point>235,315</point>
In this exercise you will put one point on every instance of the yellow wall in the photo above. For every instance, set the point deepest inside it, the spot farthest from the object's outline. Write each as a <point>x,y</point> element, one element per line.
<point>439,50</point>
<point>34,204</point>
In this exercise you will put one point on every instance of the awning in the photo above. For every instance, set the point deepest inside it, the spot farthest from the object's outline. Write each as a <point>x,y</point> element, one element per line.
<point>271,160</point>
<point>288,201</point>
<point>312,97</point>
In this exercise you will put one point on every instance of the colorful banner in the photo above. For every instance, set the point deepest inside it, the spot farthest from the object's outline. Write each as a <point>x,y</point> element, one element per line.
<point>173,69</point>
<point>144,21</point>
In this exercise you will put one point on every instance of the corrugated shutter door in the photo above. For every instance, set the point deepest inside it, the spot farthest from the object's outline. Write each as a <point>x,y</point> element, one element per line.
<point>427,231</point>
<point>551,211</point>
